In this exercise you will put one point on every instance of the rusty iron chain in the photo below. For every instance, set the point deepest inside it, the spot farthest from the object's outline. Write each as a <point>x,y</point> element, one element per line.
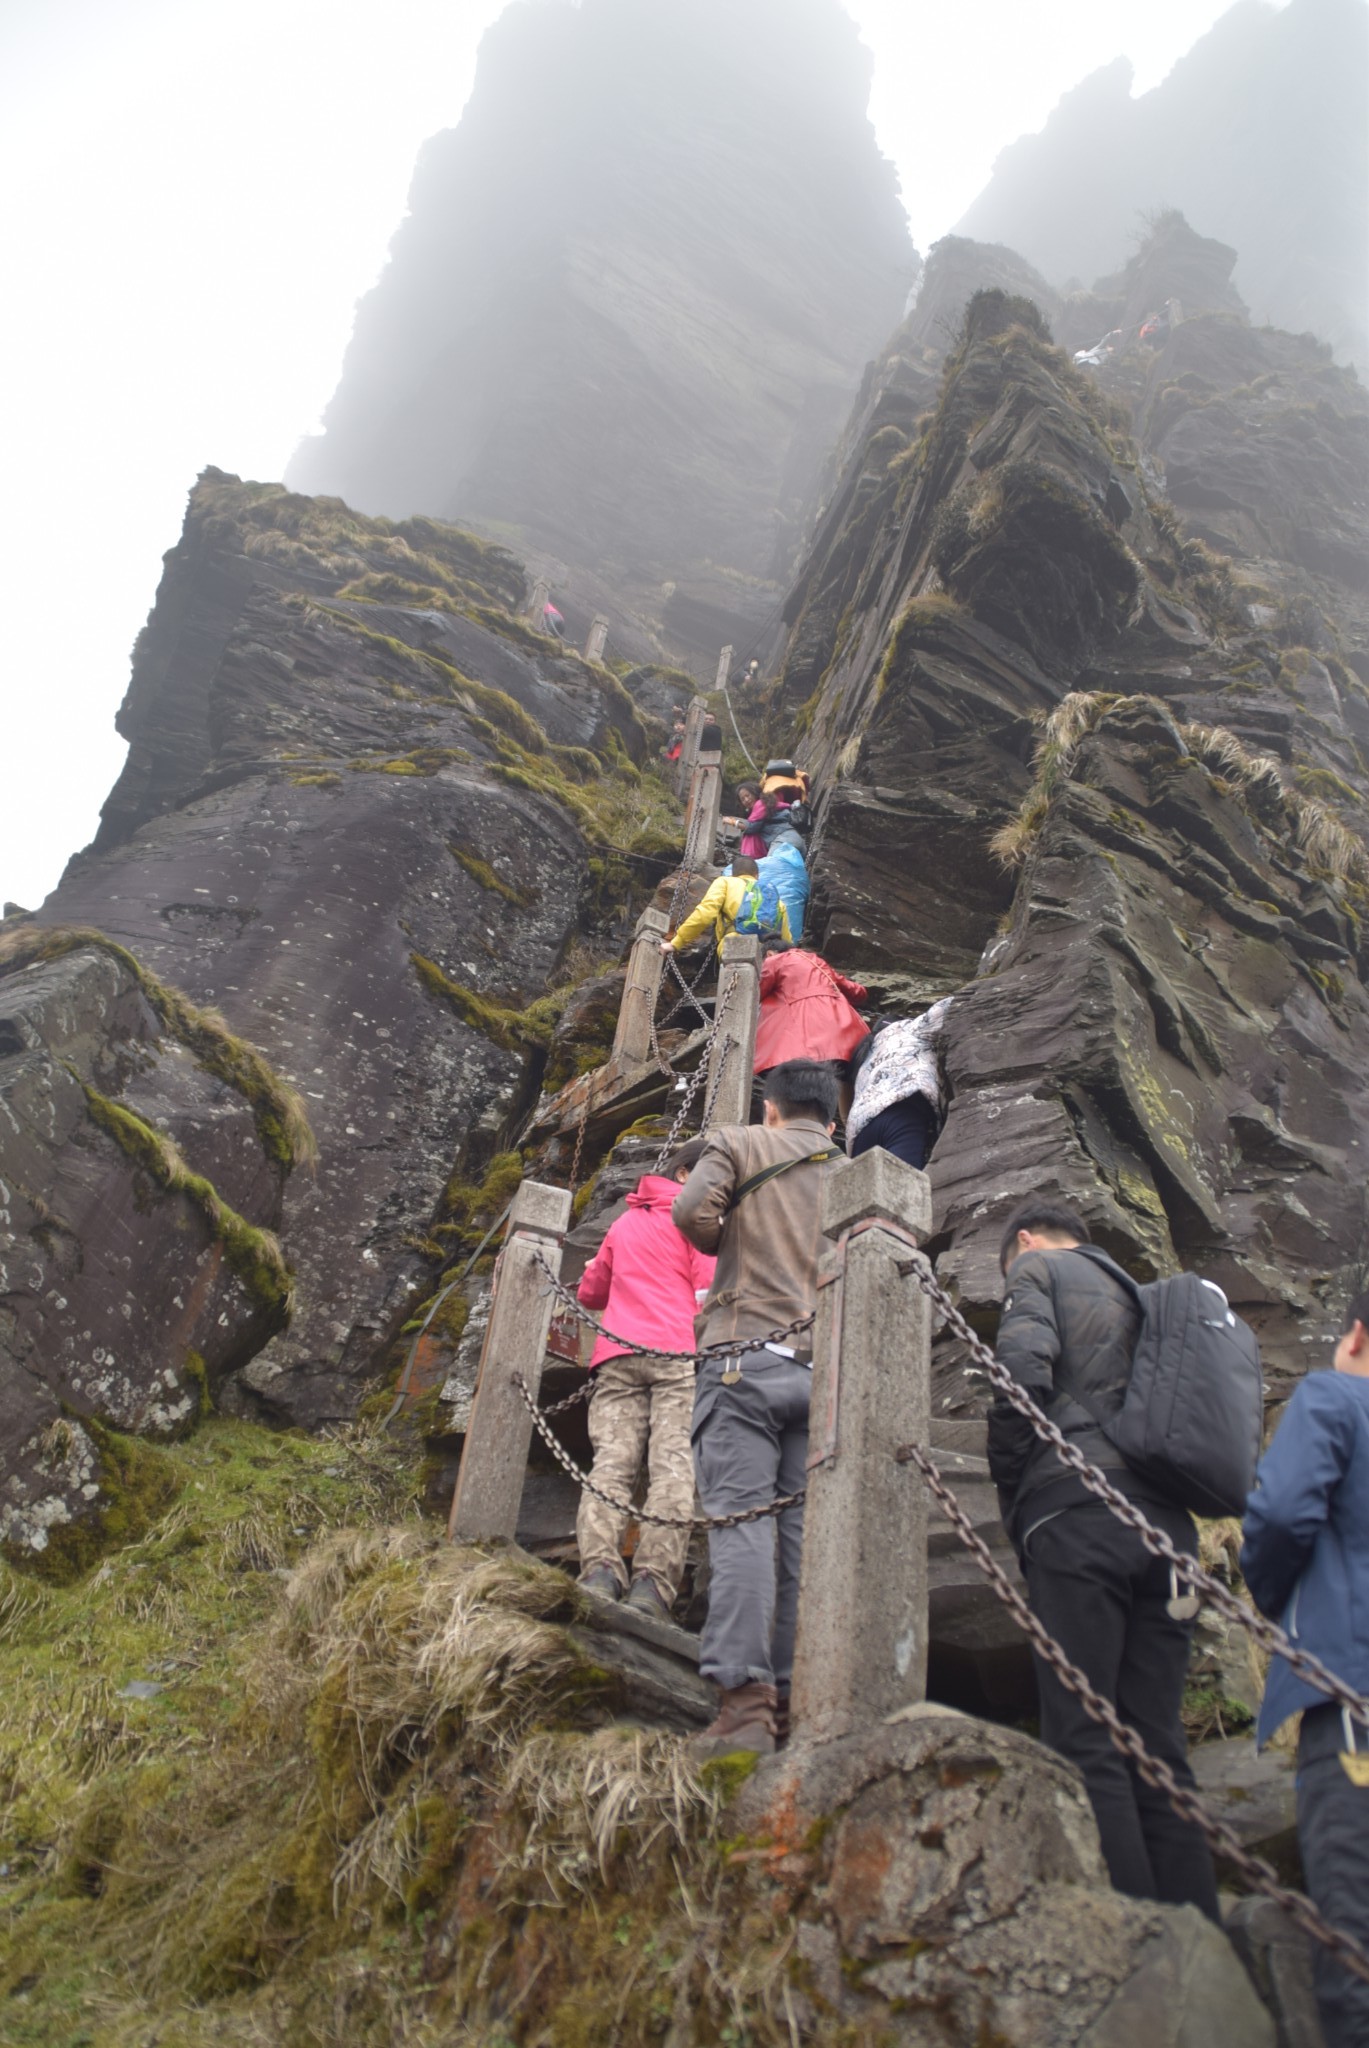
<point>627,1507</point>
<point>672,1136</point>
<point>1267,1633</point>
<point>579,1147</point>
<point>1256,1872</point>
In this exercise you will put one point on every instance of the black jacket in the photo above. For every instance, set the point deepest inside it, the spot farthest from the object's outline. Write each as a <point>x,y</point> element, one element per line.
<point>1068,1331</point>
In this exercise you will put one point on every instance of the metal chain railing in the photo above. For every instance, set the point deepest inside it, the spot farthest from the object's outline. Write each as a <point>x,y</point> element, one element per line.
<point>672,1136</point>
<point>1155,1772</point>
<point>627,1507</point>
<point>570,1301</point>
<point>1267,1633</point>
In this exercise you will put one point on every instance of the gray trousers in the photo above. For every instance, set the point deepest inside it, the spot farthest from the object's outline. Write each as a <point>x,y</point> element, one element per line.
<point>1333,1835</point>
<point>751,1445</point>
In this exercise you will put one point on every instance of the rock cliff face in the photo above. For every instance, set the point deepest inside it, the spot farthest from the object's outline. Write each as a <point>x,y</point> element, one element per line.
<point>632,300</point>
<point>359,817</point>
<point>1259,134</point>
<point>1005,626</point>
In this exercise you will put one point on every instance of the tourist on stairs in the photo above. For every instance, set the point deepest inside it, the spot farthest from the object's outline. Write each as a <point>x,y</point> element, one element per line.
<point>788,870</point>
<point>1306,1562</point>
<point>754,1199</point>
<point>647,1279</point>
<point>897,1098</point>
<point>1068,1336</point>
<point>738,902</point>
<point>807,1009</point>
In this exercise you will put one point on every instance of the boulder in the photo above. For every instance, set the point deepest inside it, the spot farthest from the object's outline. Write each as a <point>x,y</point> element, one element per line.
<point>946,1874</point>
<point>1278,1956</point>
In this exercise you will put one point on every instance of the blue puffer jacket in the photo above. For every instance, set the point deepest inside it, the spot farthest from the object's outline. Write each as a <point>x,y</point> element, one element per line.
<point>785,866</point>
<point>1306,1551</point>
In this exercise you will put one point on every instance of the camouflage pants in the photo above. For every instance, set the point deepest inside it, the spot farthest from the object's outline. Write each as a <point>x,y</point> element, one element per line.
<point>640,1404</point>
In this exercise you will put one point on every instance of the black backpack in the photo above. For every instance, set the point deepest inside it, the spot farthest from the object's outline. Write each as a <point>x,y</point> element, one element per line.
<point>1192,1418</point>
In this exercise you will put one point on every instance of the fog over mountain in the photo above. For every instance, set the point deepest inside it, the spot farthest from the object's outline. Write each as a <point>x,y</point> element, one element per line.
<point>1259,136</point>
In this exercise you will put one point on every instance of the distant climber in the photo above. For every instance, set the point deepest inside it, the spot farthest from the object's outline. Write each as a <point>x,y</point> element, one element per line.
<point>552,621</point>
<point>677,739</point>
<point>754,1198</point>
<point>739,902</point>
<point>1068,1336</point>
<point>1101,352</point>
<point>897,1098</point>
<point>647,1280</point>
<point>1157,328</point>
<point>808,1010</point>
<point>1306,1562</point>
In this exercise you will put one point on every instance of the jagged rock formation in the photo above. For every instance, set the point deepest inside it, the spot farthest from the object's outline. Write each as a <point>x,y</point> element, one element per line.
<point>363,814</point>
<point>1259,135</point>
<point>1167,1021</point>
<point>632,300</point>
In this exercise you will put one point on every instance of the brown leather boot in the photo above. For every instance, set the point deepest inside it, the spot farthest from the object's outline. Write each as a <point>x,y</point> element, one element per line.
<point>746,1720</point>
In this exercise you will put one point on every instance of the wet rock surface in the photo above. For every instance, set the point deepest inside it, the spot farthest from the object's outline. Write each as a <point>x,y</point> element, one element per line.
<point>945,1872</point>
<point>352,826</point>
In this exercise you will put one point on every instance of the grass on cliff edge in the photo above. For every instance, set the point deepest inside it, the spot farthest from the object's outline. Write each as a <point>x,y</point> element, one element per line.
<point>380,1795</point>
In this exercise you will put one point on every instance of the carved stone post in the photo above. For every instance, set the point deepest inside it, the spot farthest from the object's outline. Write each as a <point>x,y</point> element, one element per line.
<point>537,603</point>
<point>689,752</point>
<point>862,1633</point>
<point>598,636</point>
<point>632,1039</point>
<point>724,668</point>
<point>705,806</point>
<point>494,1457</point>
<point>733,1051</point>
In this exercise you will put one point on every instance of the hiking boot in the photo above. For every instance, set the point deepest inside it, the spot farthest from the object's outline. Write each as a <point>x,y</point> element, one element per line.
<point>646,1597</point>
<point>746,1720</point>
<point>599,1579</point>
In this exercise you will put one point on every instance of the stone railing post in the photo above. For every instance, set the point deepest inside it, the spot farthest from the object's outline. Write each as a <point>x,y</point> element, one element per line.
<point>537,603</point>
<point>724,669</point>
<point>494,1457</point>
<point>632,1039</point>
<point>695,718</point>
<point>862,1634</point>
<point>739,973</point>
<point>705,803</point>
<point>598,638</point>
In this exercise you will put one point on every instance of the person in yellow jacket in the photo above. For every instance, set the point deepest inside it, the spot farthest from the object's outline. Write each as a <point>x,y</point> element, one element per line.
<point>722,902</point>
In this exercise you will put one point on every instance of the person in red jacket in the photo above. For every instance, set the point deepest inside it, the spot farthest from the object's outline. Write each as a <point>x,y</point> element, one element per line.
<point>807,1009</point>
<point>648,1280</point>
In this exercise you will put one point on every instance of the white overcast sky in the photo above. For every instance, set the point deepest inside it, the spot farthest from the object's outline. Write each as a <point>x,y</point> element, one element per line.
<point>195,194</point>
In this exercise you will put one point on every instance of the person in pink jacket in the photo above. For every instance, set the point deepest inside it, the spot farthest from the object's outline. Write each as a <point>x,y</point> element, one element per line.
<point>646,1280</point>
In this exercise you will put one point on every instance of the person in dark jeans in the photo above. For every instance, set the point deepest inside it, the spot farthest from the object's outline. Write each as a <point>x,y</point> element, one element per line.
<point>1306,1562</point>
<point>1067,1335</point>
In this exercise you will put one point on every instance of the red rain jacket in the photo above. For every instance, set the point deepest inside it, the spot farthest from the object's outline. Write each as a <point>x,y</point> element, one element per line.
<point>645,1274</point>
<point>806,1011</point>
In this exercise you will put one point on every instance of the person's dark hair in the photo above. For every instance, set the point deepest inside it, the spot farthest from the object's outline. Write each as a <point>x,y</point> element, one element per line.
<point>1358,1312</point>
<point>1040,1212</point>
<point>803,1088</point>
<point>862,1052</point>
<point>744,865</point>
<point>745,789</point>
<point>684,1158</point>
<point>773,802</point>
<point>775,942</point>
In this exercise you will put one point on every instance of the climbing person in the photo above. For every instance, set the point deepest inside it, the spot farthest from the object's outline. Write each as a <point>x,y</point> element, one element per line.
<point>786,867</point>
<point>748,796</point>
<point>677,739</point>
<point>1306,1563</point>
<point>647,1280</point>
<point>783,779</point>
<point>897,1095</point>
<point>762,814</point>
<point>552,621</point>
<point>738,902</point>
<point>1068,1335</point>
<point>807,1009</point>
<point>753,1198</point>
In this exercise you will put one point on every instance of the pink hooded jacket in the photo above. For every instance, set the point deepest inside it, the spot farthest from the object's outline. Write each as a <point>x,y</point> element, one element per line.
<point>645,1274</point>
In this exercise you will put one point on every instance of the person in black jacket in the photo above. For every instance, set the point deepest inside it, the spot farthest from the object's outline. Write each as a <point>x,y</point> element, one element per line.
<point>1068,1331</point>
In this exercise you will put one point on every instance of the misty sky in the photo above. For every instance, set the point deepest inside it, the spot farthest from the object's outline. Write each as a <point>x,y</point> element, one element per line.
<point>195,195</point>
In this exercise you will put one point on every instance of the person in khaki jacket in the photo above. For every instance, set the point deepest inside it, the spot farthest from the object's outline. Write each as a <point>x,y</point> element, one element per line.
<point>753,1198</point>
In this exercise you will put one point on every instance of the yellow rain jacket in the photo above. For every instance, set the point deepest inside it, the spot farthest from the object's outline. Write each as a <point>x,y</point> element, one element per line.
<point>719,906</point>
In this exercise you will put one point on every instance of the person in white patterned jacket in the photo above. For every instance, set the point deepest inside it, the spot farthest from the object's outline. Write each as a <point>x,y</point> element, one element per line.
<point>898,1094</point>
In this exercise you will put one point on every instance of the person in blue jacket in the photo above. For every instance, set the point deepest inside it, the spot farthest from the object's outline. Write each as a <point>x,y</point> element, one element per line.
<point>1306,1562</point>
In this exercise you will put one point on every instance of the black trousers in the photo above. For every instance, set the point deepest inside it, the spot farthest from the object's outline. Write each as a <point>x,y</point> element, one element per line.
<point>1104,1598</point>
<point>1333,1834</point>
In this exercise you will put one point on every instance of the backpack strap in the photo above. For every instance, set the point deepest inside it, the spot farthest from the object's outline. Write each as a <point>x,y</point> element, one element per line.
<point>758,1180</point>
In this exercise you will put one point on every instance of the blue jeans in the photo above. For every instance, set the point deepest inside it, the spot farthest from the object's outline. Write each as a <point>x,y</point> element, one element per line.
<point>750,1446</point>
